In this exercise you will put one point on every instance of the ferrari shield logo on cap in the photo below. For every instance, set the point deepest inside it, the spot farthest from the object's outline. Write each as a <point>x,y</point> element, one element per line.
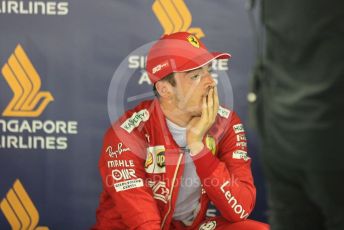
<point>193,41</point>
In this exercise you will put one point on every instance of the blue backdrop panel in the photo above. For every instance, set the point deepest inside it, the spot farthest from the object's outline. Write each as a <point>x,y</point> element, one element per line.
<point>57,60</point>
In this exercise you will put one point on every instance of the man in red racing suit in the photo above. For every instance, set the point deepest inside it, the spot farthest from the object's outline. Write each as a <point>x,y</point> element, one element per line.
<point>142,165</point>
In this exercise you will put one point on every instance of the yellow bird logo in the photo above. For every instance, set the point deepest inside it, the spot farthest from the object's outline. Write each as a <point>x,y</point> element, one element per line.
<point>24,81</point>
<point>174,16</point>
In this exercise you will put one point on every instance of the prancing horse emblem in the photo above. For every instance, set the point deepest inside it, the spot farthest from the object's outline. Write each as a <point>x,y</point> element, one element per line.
<point>193,41</point>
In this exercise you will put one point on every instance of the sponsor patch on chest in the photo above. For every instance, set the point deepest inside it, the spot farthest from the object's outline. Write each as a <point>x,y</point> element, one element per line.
<point>209,225</point>
<point>129,184</point>
<point>223,112</point>
<point>160,191</point>
<point>239,154</point>
<point>238,128</point>
<point>135,120</point>
<point>155,160</point>
<point>211,144</point>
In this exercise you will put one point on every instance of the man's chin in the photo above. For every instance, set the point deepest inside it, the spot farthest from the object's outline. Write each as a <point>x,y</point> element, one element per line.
<point>197,113</point>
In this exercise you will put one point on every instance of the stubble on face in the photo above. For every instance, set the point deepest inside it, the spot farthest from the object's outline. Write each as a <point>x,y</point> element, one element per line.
<point>189,91</point>
<point>189,99</point>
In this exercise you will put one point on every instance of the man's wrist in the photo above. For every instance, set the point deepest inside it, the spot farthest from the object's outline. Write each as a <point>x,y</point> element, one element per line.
<point>195,148</point>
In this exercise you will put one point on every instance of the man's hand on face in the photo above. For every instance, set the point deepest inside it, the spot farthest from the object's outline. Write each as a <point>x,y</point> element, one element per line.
<point>198,126</point>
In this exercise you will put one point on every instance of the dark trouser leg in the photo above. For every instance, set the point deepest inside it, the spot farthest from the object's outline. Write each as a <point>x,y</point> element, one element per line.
<point>326,189</point>
<point>290,205</point>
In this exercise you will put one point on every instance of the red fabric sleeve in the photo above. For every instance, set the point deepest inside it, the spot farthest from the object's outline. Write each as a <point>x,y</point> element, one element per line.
<point>227,179</point>
<point>123,176</point>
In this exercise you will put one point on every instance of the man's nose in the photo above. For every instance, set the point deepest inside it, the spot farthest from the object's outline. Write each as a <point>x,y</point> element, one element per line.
<point>209,81</point>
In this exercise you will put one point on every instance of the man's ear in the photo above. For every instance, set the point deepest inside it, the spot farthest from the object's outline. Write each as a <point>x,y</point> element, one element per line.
<point>164,88</point>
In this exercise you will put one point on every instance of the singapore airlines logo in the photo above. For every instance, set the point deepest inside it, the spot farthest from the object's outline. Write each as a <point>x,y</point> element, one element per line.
<point>24,81</point>
<point>174,16</point>
<point>19,210</point>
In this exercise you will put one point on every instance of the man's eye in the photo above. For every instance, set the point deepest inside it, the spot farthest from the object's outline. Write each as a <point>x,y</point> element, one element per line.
<point>194,77</point>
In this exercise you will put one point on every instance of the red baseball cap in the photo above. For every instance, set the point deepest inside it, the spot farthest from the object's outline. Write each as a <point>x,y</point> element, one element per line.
<point>178,52</point>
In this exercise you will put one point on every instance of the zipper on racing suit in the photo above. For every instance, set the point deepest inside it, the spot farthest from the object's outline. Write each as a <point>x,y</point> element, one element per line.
<point>170,195</point>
